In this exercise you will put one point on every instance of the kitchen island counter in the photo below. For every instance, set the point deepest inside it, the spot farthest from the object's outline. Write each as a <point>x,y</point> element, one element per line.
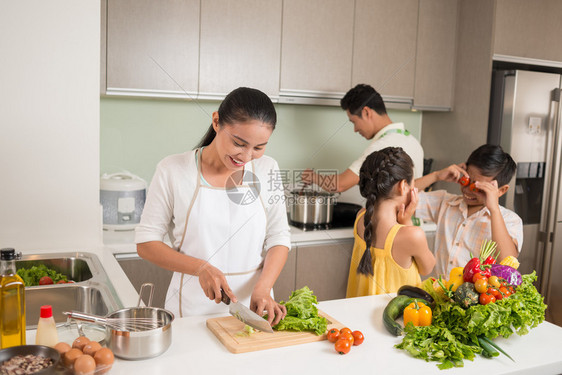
<point>195,350</point>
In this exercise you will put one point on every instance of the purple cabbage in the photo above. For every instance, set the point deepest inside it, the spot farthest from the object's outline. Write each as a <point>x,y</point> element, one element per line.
<point>510,274</point>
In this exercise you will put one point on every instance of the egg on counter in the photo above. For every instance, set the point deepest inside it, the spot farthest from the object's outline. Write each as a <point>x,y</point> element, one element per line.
<point>104,360</point>
<point>71,356</point>
<point>80,342</point>
<point>84,365</point>
<point>91,348</point>
<point>62,348</point>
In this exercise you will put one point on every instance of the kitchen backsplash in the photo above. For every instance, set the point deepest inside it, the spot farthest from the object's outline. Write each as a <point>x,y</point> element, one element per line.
<point>136,133</point>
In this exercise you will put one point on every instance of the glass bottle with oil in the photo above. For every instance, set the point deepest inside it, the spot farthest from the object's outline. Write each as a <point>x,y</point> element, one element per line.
<point>12,302</point>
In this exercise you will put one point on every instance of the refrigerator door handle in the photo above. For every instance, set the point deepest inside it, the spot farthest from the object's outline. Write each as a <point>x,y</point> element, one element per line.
<point>548,220</point>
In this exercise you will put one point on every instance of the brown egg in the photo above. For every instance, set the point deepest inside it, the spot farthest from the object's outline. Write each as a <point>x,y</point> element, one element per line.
<point>84,365</point>
<point>70,356</point>
<point>80,342</point>
<point>91,348</point>
<point>62,347</point>
<point>104,360</point>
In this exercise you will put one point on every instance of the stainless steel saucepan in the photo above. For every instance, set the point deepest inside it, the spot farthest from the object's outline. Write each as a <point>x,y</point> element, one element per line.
<point>135,332</point>
<point>311,207</point>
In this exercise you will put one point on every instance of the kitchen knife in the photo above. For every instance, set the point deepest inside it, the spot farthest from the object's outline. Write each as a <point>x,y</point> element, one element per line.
<point>245,315</point>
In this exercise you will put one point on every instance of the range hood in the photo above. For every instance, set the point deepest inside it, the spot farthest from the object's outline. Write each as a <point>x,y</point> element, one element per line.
<point>333,99</point>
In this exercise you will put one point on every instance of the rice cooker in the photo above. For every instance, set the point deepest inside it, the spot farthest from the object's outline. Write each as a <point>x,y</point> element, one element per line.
<point>122,196</point>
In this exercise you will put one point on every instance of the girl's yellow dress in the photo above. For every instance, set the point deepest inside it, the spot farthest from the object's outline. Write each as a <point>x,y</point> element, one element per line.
<point>388,275</point>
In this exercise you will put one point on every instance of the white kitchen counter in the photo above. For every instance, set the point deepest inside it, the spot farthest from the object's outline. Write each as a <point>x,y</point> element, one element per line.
<point>195,350</point>
<point>124,241</point>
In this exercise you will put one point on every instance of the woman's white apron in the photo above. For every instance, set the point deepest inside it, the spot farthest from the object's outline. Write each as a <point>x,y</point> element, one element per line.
<point>225,227</point>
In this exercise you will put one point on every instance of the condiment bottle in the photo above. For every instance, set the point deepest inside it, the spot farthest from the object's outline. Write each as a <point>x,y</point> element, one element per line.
<point>46,328</point>
<point>12,301</point>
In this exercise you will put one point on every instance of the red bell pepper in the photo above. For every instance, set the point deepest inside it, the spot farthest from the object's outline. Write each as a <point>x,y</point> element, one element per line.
<point>481,264</point>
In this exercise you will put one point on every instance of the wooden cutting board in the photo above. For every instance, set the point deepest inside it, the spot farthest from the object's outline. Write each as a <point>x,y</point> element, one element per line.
<point>226,328</point>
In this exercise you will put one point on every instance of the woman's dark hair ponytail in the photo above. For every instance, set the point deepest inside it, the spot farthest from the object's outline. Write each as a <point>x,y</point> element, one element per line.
<point>380,171</point>
<point>242,105</point>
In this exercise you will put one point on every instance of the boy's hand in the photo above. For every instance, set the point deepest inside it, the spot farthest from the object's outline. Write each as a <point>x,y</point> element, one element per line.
<point>405,213</point>
<point>491,194</point>
<point>452,173</point>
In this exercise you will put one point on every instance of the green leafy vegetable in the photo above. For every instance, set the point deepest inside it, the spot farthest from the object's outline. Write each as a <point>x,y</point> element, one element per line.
<point>31,276</point>
<point>454,334</point>
<point>302,313</point>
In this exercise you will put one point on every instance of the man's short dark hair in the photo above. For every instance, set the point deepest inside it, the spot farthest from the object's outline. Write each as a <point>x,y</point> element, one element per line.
<point>493,161</point>
<point>360,96</point>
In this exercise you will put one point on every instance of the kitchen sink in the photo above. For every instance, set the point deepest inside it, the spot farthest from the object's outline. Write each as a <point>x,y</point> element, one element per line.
<point>91,292</point>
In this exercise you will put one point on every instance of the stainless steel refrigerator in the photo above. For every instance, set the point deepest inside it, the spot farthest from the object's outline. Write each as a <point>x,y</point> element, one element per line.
<point>525,115</point>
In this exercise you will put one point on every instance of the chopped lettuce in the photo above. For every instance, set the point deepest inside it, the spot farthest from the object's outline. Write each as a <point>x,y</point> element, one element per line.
<point>453,335</point>
<point>32,275</point>
<point>302,314</point>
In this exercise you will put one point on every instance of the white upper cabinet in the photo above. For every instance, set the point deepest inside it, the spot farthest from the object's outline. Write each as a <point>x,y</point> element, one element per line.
<point>436,55</point>
<point>153,47</point>
<point>316,46</point>
<point>384,49</point>
<point>240,46</point>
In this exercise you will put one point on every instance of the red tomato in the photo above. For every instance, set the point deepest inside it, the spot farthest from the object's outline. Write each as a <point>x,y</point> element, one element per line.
<point>45,280</point>
<point>345,329</point>
<point>346,336</point>
<point>61,282</point>
<point>505,291</point>
<point>342,346</point>
<point>464,180</point>
<point>486,298</point>
<point>357,338</point>
<point>473,187</point>
<point>333,335</point>
<point>478,276</point>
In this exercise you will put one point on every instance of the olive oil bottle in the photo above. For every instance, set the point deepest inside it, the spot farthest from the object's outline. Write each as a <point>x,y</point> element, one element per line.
<point>12,302</point>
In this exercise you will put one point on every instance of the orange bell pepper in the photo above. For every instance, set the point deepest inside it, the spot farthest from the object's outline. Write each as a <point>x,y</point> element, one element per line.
<point>418,313</point>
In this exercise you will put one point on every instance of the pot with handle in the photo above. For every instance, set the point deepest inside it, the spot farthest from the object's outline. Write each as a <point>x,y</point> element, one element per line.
<point>310,207</point>
<point>135,332</point>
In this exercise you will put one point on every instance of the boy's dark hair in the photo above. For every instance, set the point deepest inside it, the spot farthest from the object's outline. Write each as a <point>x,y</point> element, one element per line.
<point>378,174</point>
<point>360,96</point>
<point>493,161</point>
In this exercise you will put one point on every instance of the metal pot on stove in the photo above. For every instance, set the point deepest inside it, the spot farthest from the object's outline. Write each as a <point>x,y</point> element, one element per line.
<point>311,207</point>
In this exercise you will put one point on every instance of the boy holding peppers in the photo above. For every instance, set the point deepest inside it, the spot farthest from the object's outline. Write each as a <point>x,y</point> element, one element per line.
<point>464,221</point>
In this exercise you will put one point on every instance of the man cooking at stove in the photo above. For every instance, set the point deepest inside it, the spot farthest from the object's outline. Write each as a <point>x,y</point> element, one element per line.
<point>365,108</point>
<point>228,232</point>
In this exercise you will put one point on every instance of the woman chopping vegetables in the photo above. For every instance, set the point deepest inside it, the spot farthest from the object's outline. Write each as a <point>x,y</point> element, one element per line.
<point>227,225</point>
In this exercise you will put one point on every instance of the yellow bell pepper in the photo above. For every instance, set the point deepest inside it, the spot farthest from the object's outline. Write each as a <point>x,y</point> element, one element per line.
<point>418,313</point>
<point>455,278</point>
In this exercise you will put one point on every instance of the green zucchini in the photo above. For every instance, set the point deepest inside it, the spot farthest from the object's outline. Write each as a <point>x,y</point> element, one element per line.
<point>393,310</point>
<point>415,292</point>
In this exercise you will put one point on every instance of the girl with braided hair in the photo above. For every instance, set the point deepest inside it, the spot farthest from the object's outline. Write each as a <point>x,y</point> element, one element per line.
<point>388,251</point>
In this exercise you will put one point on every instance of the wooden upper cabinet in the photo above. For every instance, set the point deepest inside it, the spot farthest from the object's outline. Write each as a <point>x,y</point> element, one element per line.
<point>240,45</point>
<point>384,50</point>
<point>316,46</point>
<point>153,46</point>
<point>436,55</point>
<point>528,29</point>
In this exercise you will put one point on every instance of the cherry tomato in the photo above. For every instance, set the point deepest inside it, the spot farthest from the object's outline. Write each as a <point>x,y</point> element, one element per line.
<point>486,298</point>
<point>494,281</point>
<point>45,280</point>
<point>342,346</point>
<point>61,282</point>
<point>511,289</point>
<point>481,285</point>
<point>493,291</point>
<point>333,335</point>
<point>473,187</point>
<point>505,291</point>
<point>357,338</point>
<point>345,329</point>
<point>464,180</point>
<point>478,276</point>
<point>346,336</point>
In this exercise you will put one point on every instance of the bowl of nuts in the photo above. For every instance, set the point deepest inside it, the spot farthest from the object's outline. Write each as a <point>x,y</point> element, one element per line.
<point>28,359</point>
